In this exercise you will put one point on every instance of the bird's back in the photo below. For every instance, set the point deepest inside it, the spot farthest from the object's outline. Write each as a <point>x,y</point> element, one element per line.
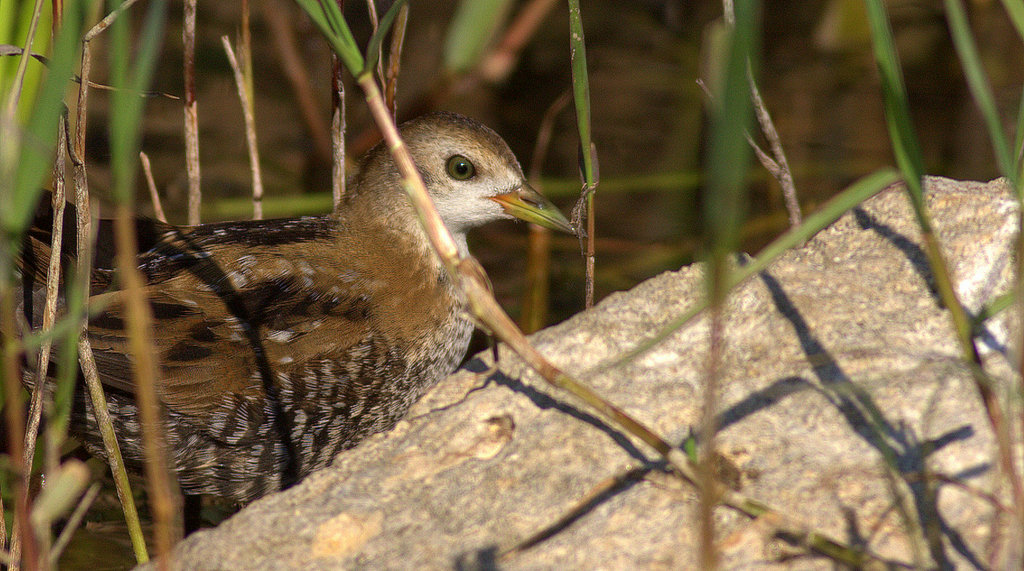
<point>280,343</point>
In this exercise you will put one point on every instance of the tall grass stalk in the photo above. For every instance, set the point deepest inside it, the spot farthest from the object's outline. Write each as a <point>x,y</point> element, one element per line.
<point>1006,160</point>
<point>130,79</point>
<point>908,157</point>
<point>728,159</point>
<point>588,150</point>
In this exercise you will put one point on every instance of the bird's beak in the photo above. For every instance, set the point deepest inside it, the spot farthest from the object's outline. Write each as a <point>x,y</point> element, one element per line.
<point>527,204</point>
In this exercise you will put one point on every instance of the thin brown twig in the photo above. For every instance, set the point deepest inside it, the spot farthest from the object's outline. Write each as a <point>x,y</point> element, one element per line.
<point>245,49</point>
<point>154,196</point>
<point>3,531</point>
<point>84,238</point>
<point>769,164</point>
<point>164,499</point>
<point>591,254</point>
<point>338,126</point>
<point>494,67</point>
<point>73,522</point>
<point>371,9</point>
<point>188,35</point>
<point>784,174</point>
<point>110,446</point>
<point>22,538</point>
<point>707,490</point>
<point>337,133</point>
<point>395,60</point>
<point>586,209</point>
<point>544,135</point>
<point>53,272</point>
<point>245,97</point>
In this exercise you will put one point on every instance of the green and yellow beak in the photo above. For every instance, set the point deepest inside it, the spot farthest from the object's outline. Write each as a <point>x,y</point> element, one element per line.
<point>531,206</point>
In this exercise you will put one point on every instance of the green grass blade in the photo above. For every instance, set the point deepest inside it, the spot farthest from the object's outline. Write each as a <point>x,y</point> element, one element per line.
<point>15,19</point>
<point>129,82</point>
<point>581,89</point>
<point>909,158</point>
<point>1015,8</point>
<point>857,193</point>
<point>328,17</point>
<point>728,151</point>
<point>373,48</point>
<point>34,155</point>
<point>963,41</point>
<point>894,92</point>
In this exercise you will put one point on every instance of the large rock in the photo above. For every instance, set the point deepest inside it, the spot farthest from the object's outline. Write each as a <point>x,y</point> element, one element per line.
<point>842,387</point>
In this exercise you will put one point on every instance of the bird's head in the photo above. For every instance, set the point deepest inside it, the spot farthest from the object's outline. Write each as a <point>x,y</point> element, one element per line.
<point>472,175</point>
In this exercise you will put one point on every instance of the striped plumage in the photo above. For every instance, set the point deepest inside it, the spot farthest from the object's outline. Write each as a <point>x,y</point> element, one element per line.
<point>283,342</point>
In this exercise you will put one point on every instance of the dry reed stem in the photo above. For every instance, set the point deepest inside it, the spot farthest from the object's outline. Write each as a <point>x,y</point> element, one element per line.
<point>245,50</point>
<point>73,522</point>
<point>109,437</point>
<point>785,174</point>
<point>371,9</point>
<point>395,60</point>
<point>585,208</point>
<point>778,166</point>
<point>337,133</point>
<point>164,499</point>
<point>708,487</point>
<point>188,35</point>
<point>246,99</point>
<point>84,263</point>
<point>495,66</point>
<point>591,253</point>
<point>338,125</point>
<point>3,532</point>
<point>22,538</point>
<point>50,305</point>
<point>154,196</point>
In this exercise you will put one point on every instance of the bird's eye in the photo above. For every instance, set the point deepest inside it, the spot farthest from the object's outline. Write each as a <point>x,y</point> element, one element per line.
<point>460,168</point>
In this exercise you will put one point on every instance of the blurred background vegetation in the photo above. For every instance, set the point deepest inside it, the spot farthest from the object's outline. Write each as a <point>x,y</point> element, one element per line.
<point>818,77</point>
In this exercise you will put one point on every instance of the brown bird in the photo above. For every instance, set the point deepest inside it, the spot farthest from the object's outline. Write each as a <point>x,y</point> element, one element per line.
<point>283,342</point>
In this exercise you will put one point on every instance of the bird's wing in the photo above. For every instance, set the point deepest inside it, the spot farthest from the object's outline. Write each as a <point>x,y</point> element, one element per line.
<point>228,339</point>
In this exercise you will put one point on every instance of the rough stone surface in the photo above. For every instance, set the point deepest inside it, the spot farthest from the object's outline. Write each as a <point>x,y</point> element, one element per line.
<point>838,358</point>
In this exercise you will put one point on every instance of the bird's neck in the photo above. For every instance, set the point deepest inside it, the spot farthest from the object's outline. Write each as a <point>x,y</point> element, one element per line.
<point>394,216</point>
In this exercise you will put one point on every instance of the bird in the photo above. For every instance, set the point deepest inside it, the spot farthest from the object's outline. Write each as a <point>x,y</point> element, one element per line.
<point>283,342</point>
